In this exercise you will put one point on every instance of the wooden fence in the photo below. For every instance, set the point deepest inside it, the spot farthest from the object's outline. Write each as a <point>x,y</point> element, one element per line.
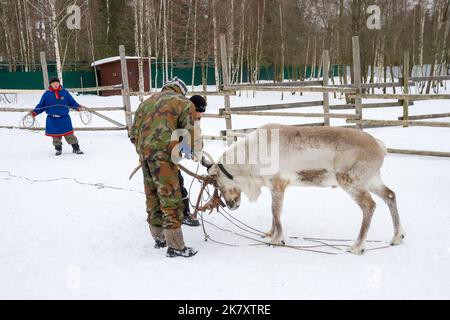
<point>99,111</point>
<point>355,92</point>
<point>355,95</point>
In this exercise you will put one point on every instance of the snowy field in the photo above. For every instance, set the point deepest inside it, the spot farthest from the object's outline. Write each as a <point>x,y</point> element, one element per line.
<point>67,240</point>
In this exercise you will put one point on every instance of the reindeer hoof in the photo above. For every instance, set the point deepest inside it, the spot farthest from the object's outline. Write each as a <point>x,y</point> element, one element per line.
<point>356,250</point>
<point>398,240</point>
<point>268,234</point>
<point>279,242</point>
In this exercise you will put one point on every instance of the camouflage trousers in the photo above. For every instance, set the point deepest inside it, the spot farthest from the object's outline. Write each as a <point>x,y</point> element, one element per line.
<point>162,189</point>
<point>71,139</point>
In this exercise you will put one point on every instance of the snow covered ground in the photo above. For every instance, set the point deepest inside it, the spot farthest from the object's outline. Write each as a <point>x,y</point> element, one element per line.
<point>64,236</point>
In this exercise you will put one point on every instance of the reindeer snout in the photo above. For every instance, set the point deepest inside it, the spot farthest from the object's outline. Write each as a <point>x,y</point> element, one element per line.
<point>233,205</point>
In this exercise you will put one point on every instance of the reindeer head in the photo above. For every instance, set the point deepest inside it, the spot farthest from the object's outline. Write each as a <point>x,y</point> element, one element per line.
<point>225,182</point>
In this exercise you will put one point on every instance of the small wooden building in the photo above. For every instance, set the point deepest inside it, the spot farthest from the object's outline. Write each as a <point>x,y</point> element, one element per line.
<point>109,73</point>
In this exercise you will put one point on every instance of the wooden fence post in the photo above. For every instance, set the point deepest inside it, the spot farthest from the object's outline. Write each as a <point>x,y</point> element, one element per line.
<point>44,70</point>
<point>326,97</point>
<point>125,87</point>
<point>357,79</point>
<point>406,88</point>
<point>226,81</point>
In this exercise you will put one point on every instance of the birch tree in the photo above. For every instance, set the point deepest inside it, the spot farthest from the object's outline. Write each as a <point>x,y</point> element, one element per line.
<point>194,57</point>
<point>55,39</point>
<point>216,45</point>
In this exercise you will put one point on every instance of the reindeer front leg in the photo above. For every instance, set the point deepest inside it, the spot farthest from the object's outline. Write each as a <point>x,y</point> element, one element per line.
<point>278,189</point>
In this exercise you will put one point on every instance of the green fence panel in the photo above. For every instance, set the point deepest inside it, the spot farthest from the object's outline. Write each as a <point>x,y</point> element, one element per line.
<point>34,80</point>
<point>86,79</point>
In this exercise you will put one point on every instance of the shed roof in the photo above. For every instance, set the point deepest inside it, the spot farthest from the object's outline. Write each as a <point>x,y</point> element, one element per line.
<point>113,59</point>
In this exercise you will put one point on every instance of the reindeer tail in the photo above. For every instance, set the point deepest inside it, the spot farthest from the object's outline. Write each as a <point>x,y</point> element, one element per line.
<point>382,146</point>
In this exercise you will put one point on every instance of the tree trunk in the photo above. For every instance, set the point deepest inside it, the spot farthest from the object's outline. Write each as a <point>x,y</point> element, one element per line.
<point>157,39</point>
<point>195,45</point>
<point>92,43</point>
<point>108,20</point>
<point>148,16</point>
<point>54,30</point>
<point>138,45</point>
<point>231,37</point>
<point>216,46</point>
<point>282,42</point>
<point>187,26</point>
<point>166,55</point>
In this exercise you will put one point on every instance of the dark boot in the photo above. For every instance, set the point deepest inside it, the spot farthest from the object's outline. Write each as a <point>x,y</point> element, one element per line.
<point>158,236</point>
<point>187,218</point>
<point>177,248</point>
<point>58,150</point>
<point>76,149</point>
<point>190,221</point>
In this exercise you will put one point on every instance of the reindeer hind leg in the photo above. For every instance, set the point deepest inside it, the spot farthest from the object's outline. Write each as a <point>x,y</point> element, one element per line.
<point>378,188</point>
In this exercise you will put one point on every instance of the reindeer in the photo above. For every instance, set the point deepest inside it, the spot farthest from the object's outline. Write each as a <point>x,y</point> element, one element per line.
<point>312,157</point>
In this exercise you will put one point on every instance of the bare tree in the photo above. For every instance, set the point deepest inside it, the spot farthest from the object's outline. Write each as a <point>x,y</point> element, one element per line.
<point>55,36</point>
<point>216,44</point>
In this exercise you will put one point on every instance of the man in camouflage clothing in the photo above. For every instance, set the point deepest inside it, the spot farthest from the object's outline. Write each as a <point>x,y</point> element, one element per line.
<point>155,121</point>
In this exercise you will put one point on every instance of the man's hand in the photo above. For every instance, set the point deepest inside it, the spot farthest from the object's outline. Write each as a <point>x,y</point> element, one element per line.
<point>82,108</point>
<point>197,157</point>
<point>31,114</point>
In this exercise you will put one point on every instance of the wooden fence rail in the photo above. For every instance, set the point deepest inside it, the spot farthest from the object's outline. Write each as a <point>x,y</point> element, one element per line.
<point>427,116</point>
<point>330,89</point>
<point>293,114</point>
<point>420,152</point>
<point>401,123</point>
<point>402,96</point>
<point>370,105</point>
<point>436,78</point>
<point>277,106</point>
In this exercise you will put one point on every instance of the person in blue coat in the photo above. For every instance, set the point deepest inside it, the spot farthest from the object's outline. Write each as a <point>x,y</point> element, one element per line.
<point>56,102</point>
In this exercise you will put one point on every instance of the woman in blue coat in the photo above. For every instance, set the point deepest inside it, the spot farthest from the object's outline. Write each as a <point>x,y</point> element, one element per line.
<point>56,102</point>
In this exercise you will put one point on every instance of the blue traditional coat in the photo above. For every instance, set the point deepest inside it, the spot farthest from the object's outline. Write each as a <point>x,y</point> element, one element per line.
<point>58,122</point>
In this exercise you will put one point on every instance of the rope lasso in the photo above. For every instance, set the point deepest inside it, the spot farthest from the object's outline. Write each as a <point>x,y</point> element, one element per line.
<point>248,229</point>
<point>29,123</point>
<point>214,202</point>
<point>85,116</point>
<point>310,248</point>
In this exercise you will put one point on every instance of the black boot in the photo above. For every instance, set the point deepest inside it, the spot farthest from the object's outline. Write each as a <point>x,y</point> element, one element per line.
<point>186,252</point>
<point>160,244</point>
<point>177,248</point>
<point>158,236</point>
<point>190,221</point>
<point>76,149</point>
<point>187,218</point>
<point>58,150</point>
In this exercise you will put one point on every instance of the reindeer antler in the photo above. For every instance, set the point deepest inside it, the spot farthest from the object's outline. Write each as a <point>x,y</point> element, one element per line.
<point>214,203</point>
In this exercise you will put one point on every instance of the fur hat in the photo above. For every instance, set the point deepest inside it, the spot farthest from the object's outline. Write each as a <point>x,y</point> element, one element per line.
<point>179,83</point>
<point>54,79</point>
<point>199,102</point>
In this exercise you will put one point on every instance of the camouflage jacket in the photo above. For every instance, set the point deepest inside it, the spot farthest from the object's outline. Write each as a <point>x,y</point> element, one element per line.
<point>156,119</point>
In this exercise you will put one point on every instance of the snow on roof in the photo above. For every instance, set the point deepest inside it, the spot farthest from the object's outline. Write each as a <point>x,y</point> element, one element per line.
<point>112,59</point>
